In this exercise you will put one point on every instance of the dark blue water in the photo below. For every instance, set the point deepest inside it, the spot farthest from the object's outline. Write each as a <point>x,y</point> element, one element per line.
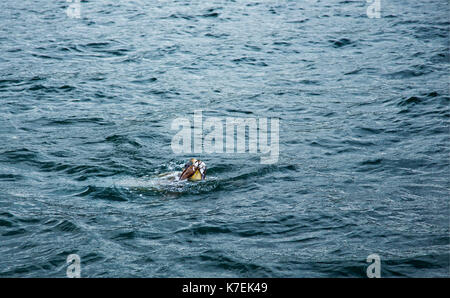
<point>87,104</point>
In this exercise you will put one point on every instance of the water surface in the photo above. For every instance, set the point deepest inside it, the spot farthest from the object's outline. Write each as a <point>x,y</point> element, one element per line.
<point>87,104</point>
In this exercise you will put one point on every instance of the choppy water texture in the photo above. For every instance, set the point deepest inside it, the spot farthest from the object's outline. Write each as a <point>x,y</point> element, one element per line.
<point>87,104</point>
